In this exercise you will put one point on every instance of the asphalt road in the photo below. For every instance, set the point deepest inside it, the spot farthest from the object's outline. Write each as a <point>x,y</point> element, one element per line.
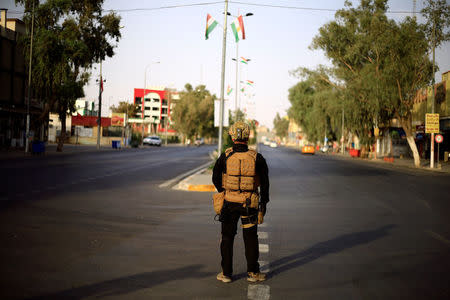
<point>97,225</point>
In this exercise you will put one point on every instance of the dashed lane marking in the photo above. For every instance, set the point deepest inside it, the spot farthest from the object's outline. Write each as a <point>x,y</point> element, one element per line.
<point>264,266</point>
<point>258,292</point>
<point>263,248</point>
<point>263,235</point>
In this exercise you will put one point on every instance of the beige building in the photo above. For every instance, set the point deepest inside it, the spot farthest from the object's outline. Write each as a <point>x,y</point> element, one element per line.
<point>13,88</point>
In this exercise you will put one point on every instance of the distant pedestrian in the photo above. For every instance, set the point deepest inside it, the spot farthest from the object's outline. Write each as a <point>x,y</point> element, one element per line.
<point>237,175</point>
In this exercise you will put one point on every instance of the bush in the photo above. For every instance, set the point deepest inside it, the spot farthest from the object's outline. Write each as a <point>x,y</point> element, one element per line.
<point>136,138</point>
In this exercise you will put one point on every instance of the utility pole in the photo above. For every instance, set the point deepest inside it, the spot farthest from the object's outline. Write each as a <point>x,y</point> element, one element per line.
<point>222,83</point>
<point>342,138</point>
<point>99,120</point>
<point>27,131</point>
<point>432,87</point>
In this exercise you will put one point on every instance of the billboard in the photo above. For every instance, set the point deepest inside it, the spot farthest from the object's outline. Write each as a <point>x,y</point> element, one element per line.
<point>118,119</point>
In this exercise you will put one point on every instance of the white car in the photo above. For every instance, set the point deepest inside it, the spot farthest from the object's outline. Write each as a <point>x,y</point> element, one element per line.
<point>273,144</point>
<point>152,141</point>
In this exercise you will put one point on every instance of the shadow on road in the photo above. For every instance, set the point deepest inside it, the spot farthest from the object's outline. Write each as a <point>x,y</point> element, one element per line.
<point>125,285</point>
<point>324,248</point>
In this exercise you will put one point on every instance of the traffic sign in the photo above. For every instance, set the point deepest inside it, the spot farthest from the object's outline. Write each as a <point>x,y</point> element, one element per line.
<point>439,138</point>
<point>431,123</point>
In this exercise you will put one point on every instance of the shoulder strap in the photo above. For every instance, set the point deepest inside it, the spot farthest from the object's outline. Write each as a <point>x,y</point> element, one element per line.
<point>252,153</point>
<point>228,151</point>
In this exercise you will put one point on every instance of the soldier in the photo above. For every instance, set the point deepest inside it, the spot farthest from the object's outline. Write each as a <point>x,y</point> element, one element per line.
<point>237,175</point>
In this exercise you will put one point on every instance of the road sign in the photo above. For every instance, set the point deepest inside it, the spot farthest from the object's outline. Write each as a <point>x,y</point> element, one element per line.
<point>431,123</point>
<point>439,138</point>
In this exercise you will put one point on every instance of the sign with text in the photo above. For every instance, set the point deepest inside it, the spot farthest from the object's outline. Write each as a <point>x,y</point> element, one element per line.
<point>431,123</point>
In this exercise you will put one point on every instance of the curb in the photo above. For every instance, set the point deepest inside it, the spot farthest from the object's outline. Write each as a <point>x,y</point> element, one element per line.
<point>201,188</point>
<point>174,182</point>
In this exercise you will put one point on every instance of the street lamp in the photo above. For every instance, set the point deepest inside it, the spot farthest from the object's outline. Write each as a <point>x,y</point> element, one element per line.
<point>143,98</point>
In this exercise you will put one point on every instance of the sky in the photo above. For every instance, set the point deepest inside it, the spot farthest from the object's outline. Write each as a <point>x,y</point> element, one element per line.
<point>277,42</point>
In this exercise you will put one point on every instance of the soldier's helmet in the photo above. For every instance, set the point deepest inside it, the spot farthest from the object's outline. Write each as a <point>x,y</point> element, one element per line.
<point>239,131</point>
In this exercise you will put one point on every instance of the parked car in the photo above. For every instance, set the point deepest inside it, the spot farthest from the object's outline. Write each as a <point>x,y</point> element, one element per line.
<point>273,144</point>
<point>199,142</point>
<point>152,141</point>
<point>308,149</point>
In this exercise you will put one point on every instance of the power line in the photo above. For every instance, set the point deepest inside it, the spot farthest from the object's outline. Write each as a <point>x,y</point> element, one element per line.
<point>234,2</point>
<point>308,8</point>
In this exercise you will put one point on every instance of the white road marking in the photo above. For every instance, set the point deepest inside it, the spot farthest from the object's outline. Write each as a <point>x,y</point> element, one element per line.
<point>438,237</point>
<point>258,292</point>
<point>263,235</point>
<point>264,266</point>
<point>263,248</point>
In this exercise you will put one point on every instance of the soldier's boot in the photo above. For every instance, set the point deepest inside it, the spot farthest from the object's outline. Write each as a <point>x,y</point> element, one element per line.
<point>254,277</point>
<point>223,278</point>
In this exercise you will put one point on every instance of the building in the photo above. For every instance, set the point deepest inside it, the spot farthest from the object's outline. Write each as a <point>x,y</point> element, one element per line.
<point>85,108</point>
<point>155,109</point>
<point>14,88</point>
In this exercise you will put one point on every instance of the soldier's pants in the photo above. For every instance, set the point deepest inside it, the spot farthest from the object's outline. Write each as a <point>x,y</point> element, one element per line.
<point>231,215</point>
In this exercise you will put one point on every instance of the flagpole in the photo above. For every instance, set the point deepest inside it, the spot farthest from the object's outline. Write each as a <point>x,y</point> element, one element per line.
<point>237,81</point>
<point>222,84</point>
<point>99,120</point>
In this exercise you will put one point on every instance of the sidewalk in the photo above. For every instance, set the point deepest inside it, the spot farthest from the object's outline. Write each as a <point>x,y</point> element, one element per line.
<point>50,150</point>
<point>406,163</point>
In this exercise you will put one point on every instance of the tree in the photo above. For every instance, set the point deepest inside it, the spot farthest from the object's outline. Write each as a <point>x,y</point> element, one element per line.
<point>281,126</point>
<point>315,104</point>
<point>126,108</point>
<point>69,37</point>
<point>381,64</point>
<point>194,113</point>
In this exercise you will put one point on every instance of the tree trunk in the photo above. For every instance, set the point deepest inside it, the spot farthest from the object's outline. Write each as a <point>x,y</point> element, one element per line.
<point>62,135</point>
<point>406,125</point>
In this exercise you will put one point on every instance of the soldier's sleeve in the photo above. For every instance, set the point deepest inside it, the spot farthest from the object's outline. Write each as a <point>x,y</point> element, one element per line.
<point>263,172</point>
<point>217,172</point>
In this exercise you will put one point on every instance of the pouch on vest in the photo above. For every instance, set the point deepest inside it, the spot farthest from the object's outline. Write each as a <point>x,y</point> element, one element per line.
<point>254,200</point>
<point>247,183</point>
<point>218,199</point>
<point>232,182</point>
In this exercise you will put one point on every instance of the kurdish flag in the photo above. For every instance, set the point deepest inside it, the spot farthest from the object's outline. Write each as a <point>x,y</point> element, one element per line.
<point>249,82</point>
<point>238,28</point>
<point>211,23</point>
<point>229,90</point>
<point>244,60</point>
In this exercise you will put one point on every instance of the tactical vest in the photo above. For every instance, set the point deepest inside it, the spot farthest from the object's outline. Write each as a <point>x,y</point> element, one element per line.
<point>240,181</point>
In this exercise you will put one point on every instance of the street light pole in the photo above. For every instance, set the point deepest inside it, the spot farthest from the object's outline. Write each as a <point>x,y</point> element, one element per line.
<point>27,142</point>
<point>432,100</point>
<point>222,83</point>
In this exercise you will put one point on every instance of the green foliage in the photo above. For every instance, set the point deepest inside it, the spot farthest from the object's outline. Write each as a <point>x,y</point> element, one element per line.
<point>316,104</point>
<point>281,126</point>
<point>136,138</point>
<point>194,113</point>
<point>377,65</point>
<point>68,38</point>
<point>125,107</point>
<point>437,14</point>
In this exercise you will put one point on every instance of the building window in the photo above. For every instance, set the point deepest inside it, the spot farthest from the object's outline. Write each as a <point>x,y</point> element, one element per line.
<point>147,108</point>
<point>137,100</point>
<point>155,108</point>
